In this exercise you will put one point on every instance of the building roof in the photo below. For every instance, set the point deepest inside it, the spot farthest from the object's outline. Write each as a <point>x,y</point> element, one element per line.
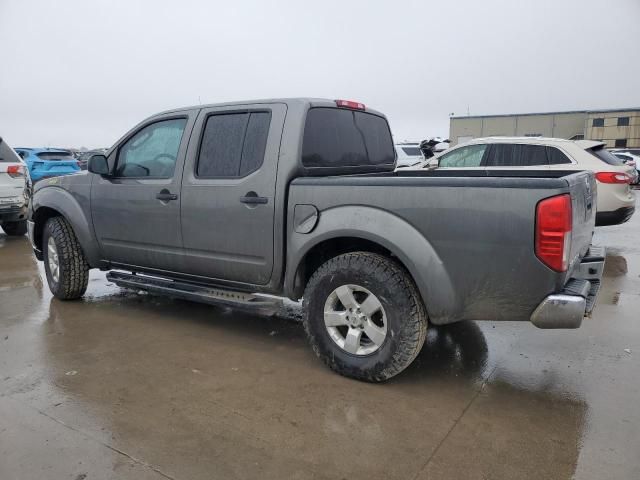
<point>608,110</point>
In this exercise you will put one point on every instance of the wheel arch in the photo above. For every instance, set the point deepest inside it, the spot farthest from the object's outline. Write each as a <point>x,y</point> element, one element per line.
<point>54,202</point>
<point>361,228</point>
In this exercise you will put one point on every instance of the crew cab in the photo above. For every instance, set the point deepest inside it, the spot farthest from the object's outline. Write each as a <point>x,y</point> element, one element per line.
<point>298,198</point>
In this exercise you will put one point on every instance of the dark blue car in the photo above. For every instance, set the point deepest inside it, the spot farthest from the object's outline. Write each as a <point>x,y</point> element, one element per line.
<point>48,162</point>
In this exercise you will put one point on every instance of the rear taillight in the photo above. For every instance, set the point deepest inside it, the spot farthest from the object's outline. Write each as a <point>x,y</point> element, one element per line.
<point>613,177</point>
<point>350,104</point>
<point>15,171</point>
<point>553,232</point>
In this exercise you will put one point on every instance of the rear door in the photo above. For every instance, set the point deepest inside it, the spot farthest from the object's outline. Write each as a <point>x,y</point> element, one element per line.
<point>228,193</point>
<point>136,212</point>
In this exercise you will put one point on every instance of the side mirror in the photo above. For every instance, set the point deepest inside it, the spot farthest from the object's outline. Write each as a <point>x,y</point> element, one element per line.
<point>98,164</point>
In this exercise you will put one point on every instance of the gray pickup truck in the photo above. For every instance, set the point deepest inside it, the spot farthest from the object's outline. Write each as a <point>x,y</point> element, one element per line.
<point>298,198</point>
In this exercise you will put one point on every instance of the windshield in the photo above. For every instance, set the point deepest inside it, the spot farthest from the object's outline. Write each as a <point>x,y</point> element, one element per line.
<point>606,156</point>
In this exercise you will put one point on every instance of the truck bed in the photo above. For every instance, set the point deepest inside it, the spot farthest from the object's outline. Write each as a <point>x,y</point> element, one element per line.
<point>473,231</point>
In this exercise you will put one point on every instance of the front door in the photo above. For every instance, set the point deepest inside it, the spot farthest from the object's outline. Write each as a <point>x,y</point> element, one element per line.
<point>136,211</point>
<point>228,193</point>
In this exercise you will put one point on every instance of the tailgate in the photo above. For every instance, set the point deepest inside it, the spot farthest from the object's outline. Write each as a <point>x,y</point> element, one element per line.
<point>582,187</point>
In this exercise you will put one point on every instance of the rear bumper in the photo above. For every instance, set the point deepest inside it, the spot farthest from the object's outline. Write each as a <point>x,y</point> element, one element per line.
<point>567,308</point>
<point>13,213</point>
<point>616,217</point>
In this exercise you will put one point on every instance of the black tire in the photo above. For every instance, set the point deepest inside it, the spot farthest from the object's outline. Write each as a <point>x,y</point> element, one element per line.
<point>405,315</point>
<point>15,229</point>
<point>73,269</point>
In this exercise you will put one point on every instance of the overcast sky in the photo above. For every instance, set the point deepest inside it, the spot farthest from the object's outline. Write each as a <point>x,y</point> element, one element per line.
<point>81,73</point>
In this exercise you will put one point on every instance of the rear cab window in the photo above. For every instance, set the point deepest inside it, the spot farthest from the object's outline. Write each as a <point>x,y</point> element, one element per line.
<point>338,138</point>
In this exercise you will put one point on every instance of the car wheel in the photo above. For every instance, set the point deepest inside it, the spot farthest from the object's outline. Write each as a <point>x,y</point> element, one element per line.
<point>64,262</point>
<point>364,316</point>
<point>16,229</point>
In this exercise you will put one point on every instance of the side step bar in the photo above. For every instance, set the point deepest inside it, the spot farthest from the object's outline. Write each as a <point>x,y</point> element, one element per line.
<point>197,293</point>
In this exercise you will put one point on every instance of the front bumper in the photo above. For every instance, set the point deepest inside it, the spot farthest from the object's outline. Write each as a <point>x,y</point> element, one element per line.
<point>616,217</point>
<point>567,308</point>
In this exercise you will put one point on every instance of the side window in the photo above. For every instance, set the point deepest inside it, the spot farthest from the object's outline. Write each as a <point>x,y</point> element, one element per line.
<point>233,144</point>
<point>556,157</point>
<point>516,155</point>
<point>469,156</point>
<point>152,152</point>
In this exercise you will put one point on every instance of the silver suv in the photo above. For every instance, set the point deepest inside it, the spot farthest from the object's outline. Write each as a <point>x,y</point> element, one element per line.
<point>13,209</point>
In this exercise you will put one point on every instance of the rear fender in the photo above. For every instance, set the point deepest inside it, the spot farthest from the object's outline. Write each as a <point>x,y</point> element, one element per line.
<point>406,243</point>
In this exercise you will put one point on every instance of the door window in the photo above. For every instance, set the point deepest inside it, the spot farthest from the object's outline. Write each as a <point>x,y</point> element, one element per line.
<point>469,156</point>
<point>233,144</point>
<point>152,151</point>
<point>516,155</point>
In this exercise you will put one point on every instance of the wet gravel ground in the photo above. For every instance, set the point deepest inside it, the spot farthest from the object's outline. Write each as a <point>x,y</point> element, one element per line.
<point>127,385</point>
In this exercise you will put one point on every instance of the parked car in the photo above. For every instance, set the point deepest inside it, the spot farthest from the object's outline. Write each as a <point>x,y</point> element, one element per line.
<point>48,162</point>
<point>13,208</point>
<point>616,201</point>
<point>298,198</point>
<point>408,154</point>
<point>632,161</point>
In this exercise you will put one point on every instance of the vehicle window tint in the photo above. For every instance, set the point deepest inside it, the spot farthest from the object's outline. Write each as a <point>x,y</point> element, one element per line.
<point>516,155</point>
<point>412,151</point>
<point>255,142</point>
<point>556,157</point>
<point>152,152</point>
<point>340,138</point>
<point>469,156</point>
<point>221,146</point>
<point>233,144</point>
<point>605,155</point>
<point>55,156</point>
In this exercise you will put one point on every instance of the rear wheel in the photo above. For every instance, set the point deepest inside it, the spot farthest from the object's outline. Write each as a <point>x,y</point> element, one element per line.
<point>64,261</point>
<point>15,228</point>
<point>364,317</point>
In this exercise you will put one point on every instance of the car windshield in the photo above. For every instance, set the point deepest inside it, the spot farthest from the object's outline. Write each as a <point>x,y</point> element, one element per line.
<point>606,156</point>
<point>55,156</point>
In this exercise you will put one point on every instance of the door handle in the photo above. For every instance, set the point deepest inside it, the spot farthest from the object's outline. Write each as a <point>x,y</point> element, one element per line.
<point>252,198</point>
<point>165,195</point>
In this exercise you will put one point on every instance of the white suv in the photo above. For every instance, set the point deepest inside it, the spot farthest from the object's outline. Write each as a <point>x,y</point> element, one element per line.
<point>13,209</point>
<point>616,201</point>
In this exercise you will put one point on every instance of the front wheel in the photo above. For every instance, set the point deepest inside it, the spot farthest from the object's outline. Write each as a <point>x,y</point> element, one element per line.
<point>364,317</point>
<point>64,261</point>
<point>15,229</point>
